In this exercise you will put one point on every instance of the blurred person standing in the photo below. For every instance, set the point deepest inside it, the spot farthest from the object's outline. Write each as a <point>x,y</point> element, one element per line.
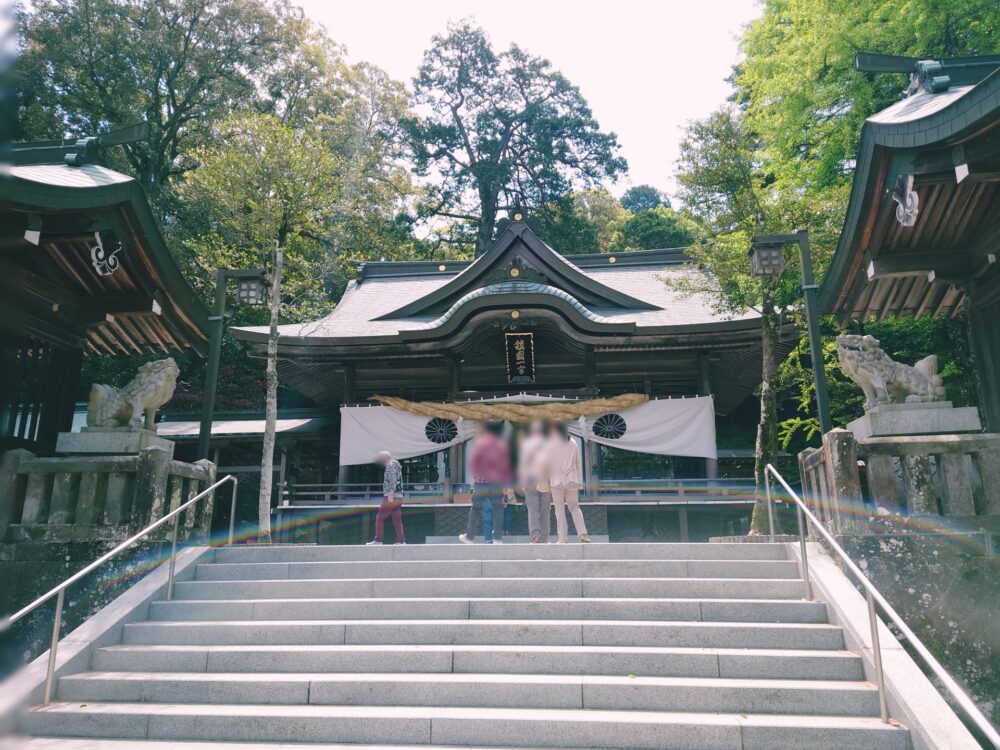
<point>491,469</point>
<point>533,480</point>
<point>565,474</point>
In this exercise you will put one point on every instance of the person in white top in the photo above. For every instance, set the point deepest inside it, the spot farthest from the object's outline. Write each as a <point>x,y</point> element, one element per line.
<point>565,475</point>
<point>530,475</point>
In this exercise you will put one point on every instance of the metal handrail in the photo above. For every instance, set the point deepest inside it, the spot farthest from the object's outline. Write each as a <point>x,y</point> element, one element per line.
<point>60,591</point>
<point>875,601</point>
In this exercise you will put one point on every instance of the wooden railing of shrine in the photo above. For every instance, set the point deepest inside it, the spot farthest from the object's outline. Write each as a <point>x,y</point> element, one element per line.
<point>848,480</point>
<point>605,490</point>
<point>101,491</point>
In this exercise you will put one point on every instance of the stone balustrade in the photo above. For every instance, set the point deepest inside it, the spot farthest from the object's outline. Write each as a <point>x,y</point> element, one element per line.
<point>850,479</point>
<point>113,494</point>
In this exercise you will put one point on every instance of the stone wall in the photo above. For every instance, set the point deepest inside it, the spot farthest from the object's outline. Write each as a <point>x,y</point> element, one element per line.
<point>946,586</point>
<point>59,514</point>
<point>40,559</point>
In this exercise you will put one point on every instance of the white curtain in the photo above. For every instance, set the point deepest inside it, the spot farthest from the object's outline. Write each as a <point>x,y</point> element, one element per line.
<point>366,430</point>
<point>669,427</point>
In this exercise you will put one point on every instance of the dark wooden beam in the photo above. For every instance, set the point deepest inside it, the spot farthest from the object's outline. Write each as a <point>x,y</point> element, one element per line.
<point>944,263</point>
<point>117,304</point>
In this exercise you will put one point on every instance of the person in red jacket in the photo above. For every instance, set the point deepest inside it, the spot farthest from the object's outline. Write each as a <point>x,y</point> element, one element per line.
<point>492,472</point>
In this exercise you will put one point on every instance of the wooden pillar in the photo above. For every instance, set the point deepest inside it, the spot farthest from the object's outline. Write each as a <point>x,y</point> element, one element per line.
<point>590,370</point>
<point>454,376</point>
<point>349,396</point>
<point>705,389</point>
<point>453,461</point>
<point>984,335</point>
<point>591,478</point>
<point>282,473</point>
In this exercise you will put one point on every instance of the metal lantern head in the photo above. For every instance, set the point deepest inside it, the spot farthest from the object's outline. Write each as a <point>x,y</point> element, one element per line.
<point>251,291</point>
<point>766,260</point>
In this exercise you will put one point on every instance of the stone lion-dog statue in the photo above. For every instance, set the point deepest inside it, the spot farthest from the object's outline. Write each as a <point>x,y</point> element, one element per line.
<point>152,387</point>
<point>883,380</point>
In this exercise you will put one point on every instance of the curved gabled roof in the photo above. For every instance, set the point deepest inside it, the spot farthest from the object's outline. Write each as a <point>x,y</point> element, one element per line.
<point>624,294</point>
<point>519,248</point>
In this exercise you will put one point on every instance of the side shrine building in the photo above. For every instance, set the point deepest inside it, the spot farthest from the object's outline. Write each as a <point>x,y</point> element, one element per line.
<point>523,323</point>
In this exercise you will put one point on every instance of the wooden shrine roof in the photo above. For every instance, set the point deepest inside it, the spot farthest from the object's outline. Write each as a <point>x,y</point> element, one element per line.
<point>143,306</point>
<point>622,294</point>
<point>947,138</point>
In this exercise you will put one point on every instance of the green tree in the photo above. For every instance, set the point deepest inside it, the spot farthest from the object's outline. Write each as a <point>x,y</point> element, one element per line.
<point>499,130</point>
<point>643,198</point>
<point>264,193</point>
<point>587,221</point>
<point>802,94</point>
<point>91,65</point>
<point>654,228</point>
<point>722,184</point>
<point>262,182</point>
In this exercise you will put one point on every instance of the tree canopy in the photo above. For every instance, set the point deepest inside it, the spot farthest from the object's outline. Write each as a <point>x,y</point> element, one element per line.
<point>90,65</point>
<point>655,228</point>
<point>500,129</point>
<point>643,198</point>
<point>263,184</point>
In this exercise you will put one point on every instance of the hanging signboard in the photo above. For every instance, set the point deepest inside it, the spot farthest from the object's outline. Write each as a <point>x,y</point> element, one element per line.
<point>520,355</point>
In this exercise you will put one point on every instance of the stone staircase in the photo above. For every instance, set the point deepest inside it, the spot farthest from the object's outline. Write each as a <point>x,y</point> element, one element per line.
<point>557,646</point>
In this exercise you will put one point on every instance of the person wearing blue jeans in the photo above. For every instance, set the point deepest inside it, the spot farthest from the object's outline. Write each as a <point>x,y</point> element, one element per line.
<point>491,468</point>
<point>492,499</point>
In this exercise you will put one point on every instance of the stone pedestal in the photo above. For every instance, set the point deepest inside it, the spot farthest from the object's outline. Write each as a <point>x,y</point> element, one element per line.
<point>931,418</point>
<point>111,441</point>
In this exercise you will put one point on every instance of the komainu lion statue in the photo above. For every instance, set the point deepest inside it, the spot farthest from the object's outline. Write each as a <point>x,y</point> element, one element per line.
<point>883,380</point>
<point>151,388</point>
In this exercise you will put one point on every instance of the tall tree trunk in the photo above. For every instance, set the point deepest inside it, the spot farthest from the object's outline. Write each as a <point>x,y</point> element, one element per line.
<point>271,408</point>
<point>767,429</point>
<point>487,220</point>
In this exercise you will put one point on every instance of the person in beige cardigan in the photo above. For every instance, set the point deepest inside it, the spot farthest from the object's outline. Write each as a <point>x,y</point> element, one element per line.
<point>565,475</point>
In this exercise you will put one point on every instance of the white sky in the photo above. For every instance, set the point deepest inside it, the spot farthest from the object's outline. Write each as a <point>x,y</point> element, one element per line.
<point>646,68</point>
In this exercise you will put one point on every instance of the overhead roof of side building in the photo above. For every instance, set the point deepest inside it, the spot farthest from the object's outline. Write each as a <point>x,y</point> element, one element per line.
<point>921,221</point>
<point>143,305</point>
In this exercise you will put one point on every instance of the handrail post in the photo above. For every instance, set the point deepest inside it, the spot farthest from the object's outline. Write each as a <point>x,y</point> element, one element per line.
<point>802,550</point>
<point>53,649</point>
<point>877,657</point>
<point>770,505</point>
<point>232,512</point>
<point>173,559</point>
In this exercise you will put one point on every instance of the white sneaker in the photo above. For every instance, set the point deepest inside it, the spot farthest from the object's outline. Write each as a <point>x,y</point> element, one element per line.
<point>373,543</point>
<point>465,539</point>
<point>498,541</point>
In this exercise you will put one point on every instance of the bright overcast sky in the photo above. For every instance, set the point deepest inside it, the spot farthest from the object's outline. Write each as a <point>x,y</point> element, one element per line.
<point>646,68</point>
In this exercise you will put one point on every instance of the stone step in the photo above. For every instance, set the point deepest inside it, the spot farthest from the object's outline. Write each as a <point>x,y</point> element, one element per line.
<point>519,539</point>
<point>63,743</point>
<point>659,588</point>
<point>570,608</point>
<point>618,551</point>
<point>627,693</point>
<point>339,570</point>
<point>561,728</point>
<point>488,632</point>
<point>518,658</point>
